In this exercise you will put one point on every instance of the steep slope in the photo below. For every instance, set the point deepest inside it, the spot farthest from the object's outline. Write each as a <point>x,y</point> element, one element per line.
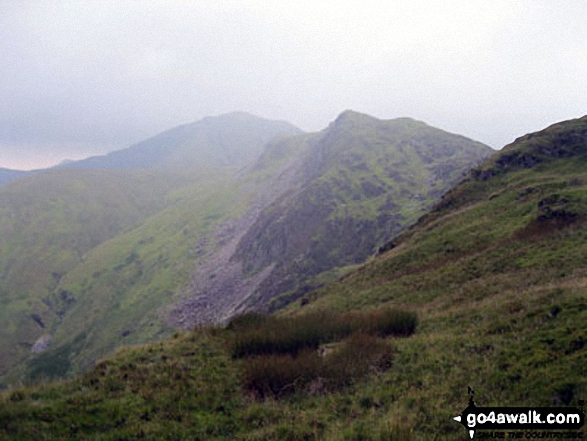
<point>123,286</point>
<point>351,188</point>
<point>522,211</point>
<point>7,175</point>
<point>496,273</point>
<point>233,139</point>
<point>48,222</point>
<point>121,291</point>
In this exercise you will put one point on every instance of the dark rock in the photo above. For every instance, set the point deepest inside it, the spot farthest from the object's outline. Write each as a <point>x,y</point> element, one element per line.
<point>564,394</point>
<point>526,192</point>
<point>482,175</point>
<point>388,246</point>
<point>545,206</point>
<point>554,311</point>
<point>371,190</point>
<point>518,160</point>
<point>554,199</point>
<point>575,345</point>
<point>561,215</point>
<point>38,320</point>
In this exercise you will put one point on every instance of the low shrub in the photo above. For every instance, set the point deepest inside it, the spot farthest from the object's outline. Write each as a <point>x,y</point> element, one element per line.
<point>277,375</point>
<point>386,322</point>
<point>257,334</point>
<point>353,360</point>
<point>358,356</point>
<point>247,321</point>
<point>288,335</point>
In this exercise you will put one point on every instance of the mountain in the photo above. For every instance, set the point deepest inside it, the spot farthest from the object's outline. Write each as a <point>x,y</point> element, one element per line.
<point>205,246</point>
<point>51,220</point>
<point>233,139</point>
<point>495,272</point>
<point>349,188</point>
<point>7,175</point>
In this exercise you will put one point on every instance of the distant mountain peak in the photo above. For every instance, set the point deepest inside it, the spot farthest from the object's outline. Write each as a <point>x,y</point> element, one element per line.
<point>351,117</point>
<point>231,116</point>
<point>232,139</point>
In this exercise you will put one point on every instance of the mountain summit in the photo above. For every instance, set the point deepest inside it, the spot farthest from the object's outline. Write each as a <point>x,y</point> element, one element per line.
<point>233,139</point>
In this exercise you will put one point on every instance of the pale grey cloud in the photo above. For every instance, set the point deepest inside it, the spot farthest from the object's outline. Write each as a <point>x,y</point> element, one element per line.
<point>83,77</point>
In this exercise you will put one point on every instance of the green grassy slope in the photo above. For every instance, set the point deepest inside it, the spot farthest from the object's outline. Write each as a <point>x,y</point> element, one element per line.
<point>112,242</point>
<point>124,284</point>
<point>48,222</point>
<point>495,272</point>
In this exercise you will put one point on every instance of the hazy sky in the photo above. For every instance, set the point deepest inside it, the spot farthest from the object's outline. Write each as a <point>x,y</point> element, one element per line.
<point>85,77</point>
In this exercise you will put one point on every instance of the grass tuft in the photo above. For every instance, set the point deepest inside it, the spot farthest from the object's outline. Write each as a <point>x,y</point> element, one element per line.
<point>312,373</point>
<point>256,334</point>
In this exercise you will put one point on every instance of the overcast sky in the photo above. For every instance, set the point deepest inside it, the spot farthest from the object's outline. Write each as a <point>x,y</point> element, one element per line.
<point>86,77</point>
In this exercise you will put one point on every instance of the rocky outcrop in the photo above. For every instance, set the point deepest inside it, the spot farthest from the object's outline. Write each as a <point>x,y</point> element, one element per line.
<point>41,344</point>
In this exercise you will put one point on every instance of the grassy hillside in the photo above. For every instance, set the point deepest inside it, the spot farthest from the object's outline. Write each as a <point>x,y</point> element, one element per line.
<point>495,273</point>
<point>111,239</point>
<point>48,222</point>
<point>123,285</point>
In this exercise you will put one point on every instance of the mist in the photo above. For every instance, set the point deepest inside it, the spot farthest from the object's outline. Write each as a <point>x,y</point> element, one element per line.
<point>85,78</point>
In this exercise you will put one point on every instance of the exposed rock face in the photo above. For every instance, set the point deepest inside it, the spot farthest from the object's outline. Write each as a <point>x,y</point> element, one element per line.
<point>41,344</point>
<point>334,198</point>
<point>220,286</point>
<point>563,140</point>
